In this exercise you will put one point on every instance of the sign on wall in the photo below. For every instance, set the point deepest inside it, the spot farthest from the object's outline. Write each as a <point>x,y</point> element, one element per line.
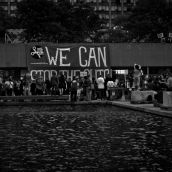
<point>69,59</point>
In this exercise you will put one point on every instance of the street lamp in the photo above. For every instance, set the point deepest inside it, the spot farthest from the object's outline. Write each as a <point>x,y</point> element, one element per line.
<point>110,14</point>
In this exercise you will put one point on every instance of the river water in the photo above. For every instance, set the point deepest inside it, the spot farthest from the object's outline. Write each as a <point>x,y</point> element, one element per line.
<point>97,138</point>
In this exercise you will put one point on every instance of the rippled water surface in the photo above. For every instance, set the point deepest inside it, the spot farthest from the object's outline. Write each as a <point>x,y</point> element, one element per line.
<point>84,139</point>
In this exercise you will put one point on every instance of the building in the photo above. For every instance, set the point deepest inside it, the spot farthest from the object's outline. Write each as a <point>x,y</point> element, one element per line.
<point>108,10</point>
<point>10,6</point>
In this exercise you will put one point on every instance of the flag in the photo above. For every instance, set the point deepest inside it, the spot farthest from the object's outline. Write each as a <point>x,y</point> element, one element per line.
<point>8,39</point>
<point>170,35</point>
<point>14,36</point>
<point>160,35</point>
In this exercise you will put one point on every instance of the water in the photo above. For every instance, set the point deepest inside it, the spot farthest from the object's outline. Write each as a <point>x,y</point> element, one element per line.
<point>96,138</point>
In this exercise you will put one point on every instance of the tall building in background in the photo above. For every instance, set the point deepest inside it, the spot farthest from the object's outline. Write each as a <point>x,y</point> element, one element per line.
<point>108,10</point>
<point>10,6</point>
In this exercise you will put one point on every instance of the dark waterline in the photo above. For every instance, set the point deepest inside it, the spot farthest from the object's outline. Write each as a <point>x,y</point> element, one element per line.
<point>84,138</point>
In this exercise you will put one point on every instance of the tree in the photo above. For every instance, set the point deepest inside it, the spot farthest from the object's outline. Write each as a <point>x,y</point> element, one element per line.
<point>3,23</point>
<point>6,22</point>
<point>149,18</point>
<point>45,20</point>
<point>84,22</point>
<point>40,19</point>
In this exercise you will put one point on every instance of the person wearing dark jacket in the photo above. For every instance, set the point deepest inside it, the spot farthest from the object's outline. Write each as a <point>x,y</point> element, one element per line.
<point>74,90</point>
<point>62,84</point>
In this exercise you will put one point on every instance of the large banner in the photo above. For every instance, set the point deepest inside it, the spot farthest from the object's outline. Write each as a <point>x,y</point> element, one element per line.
<point>69,59</point>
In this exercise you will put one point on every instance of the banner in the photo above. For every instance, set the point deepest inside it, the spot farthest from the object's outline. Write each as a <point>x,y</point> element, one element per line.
<point>69,59</point>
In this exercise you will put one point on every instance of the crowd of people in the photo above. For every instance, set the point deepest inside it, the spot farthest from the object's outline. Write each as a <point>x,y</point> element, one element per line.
<point>79,88</point>
<point>84,88</point>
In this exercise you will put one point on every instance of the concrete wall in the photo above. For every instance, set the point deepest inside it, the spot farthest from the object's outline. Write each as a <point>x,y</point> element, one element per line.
<point>145,54</point>
<point>12,55</point>
<point>121,54</point>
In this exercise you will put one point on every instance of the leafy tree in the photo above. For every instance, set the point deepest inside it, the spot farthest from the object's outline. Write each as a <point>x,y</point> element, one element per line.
<point>56,22</point>
<point>84,22</point>
<point>3,23</point>
<point>40,18</point>
<point>6,22</point>
<point>149,18</point>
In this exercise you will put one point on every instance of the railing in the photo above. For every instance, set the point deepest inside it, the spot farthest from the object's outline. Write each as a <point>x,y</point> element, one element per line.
<point>35,98</point>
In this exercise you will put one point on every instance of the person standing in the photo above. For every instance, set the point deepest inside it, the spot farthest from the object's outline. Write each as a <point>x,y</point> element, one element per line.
<point>101,87</point>
<point>74,90</point>
<point>110,85</point>
<point>9,86</point>
<point>169,83</point>
<point>106,92</point>
<point>62,84</point>
<point>39,86</point>
<point>87,88</point>
<point>33,88</point>
<point>47,87</point>
<point>136,76</point>
<point>17,88</point>
<point>54,84</point>
<point>1,85</point>
<point>93,89</point>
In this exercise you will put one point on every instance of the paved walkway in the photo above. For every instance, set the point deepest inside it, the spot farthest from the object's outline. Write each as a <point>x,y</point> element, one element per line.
<point>144,107</point>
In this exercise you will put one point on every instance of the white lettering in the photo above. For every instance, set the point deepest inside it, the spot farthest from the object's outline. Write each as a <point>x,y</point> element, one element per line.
<point>102,55</point>
<point>63,57</point>
<point>76,73</point>
<point>52,60</point>
<point>47,74</point>
<point>92,55</point>
<point>80,59</point>
<point>33,74</point>
<point>106,72</point>
<point>53,72</point>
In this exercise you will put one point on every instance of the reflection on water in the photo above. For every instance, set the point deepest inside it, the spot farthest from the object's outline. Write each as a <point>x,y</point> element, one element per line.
<point>105,139</point>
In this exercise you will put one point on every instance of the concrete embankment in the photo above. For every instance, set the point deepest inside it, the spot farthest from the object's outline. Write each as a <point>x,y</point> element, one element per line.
<point>147,108</point>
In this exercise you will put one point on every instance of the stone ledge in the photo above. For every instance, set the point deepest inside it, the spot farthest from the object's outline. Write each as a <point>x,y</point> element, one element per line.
<point>147,108</point>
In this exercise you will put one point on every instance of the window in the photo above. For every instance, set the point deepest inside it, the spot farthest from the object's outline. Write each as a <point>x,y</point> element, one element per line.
<point>124,1</point>
<point>100,16</point>
<point>100,8</point>
<point>13,7</point>
<point>5,8</point>
<point>119,8</point>
<point>125,8</point>
<point>107,8</point>
<point>4,0</point>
